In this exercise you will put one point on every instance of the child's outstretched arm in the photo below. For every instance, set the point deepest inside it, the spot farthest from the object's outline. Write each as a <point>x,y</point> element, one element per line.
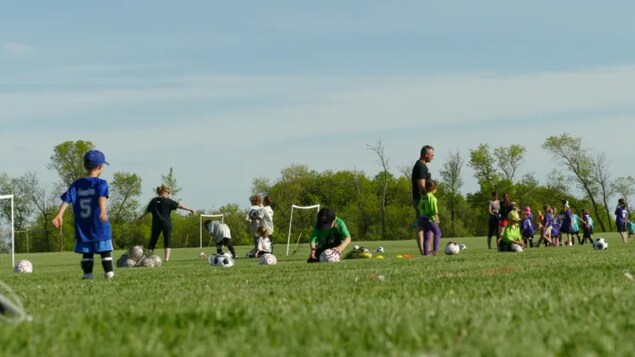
<point>57,221</point>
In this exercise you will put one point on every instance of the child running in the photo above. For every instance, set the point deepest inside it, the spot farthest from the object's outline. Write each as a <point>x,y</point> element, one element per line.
<point>222,236</point>
<point>587,227</point>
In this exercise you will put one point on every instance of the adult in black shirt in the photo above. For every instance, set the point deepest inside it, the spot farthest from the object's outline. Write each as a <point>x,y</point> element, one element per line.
<point>161,207</point>
<point>420,174</point>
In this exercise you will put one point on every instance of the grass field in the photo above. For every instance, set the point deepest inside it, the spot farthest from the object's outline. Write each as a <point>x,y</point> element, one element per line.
<point>567,301</point>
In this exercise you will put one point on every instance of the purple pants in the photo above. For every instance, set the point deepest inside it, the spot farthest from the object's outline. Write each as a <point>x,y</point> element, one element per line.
<point>430,229</point>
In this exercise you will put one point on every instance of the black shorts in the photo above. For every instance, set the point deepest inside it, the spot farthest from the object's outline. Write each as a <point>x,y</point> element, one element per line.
<point>621,227</point>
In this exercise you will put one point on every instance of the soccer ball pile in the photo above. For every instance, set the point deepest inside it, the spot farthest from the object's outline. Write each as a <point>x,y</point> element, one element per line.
<point>600,244</point>
<point>23,266</point>
<point>268,259</point>
<point>358,253</point>
<point>221,260</point>
<point>329,256</point>
<point>135,257</point>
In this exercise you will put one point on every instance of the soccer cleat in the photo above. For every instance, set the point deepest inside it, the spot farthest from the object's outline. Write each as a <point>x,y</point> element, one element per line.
<point>88,276</point>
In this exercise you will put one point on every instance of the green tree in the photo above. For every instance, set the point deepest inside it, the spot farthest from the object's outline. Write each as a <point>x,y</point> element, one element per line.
<point>482,162</point>
<point>170,181</point>
<point>509,159</point>
<point>570,153</point>
<point>68,160</point>
<point>125,190</point>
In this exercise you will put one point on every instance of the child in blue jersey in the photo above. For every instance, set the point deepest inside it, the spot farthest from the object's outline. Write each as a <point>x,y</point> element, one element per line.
<point>621,219</point>
<point>89,197</point>
<point>546,227</point>
<point>565,219</point>
<point>527,227</point>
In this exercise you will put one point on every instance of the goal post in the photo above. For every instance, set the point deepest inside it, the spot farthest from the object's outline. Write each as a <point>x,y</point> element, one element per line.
<point>316,207</point>
<point>7,243</point>
<point>210,216</point>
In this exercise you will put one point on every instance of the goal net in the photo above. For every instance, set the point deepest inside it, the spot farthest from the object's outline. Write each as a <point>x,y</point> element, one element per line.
<point>205,217</point>
<point>7,231</point>
<point>302,220</point>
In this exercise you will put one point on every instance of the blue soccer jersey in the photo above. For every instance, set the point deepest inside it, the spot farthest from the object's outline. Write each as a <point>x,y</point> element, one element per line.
<point>84,195</point>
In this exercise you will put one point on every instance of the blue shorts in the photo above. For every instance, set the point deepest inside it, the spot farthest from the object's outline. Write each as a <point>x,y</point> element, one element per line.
<point>102,246</point>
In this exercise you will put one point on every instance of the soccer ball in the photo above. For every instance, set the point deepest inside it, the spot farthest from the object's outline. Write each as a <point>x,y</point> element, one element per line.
<point>330,256</point>
<point>157,260</point>
<point>516,248</point>
<point>452,248</point>
<point>221,261</point>
<point>250,254</point>
<point>380,249</point>
<point>136,253</point>
<point>125,262</point>
<point>23,266</point>
<point>600,244</point>
<point>268,259</point>
<point>356,247</point>
<point>253,213</point>
<point>147,262</point>
<point>462,247</point>
<point>202,255</point>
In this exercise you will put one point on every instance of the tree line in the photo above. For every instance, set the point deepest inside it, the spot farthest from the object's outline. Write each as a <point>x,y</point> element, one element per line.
<point>374,208</point>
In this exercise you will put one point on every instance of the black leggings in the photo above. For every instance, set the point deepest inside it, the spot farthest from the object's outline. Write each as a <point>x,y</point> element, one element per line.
<point>493,227</point>
<point>156,231</point>
<point>225,242</point>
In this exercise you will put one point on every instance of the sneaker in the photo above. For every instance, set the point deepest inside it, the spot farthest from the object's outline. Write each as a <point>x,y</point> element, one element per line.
<point>88,276</point>
<point>109,275</point>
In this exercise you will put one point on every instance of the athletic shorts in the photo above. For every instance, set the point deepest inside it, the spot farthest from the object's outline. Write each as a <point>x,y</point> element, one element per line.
<point>621,227</point>
<point>102,246</point>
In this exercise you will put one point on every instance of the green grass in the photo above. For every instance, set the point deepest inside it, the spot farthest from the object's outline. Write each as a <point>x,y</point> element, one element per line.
<point>567,301</point>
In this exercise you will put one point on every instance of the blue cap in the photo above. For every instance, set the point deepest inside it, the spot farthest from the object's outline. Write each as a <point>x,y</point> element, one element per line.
<point>94,158</point>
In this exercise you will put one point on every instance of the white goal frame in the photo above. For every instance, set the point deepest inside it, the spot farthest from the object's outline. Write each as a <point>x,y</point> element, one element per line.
<point>222,219</point>
<point>2,197</point>
<point>291,220</point>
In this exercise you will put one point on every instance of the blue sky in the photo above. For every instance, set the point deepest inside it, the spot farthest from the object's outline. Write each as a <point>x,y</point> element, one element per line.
<point>224,92</point>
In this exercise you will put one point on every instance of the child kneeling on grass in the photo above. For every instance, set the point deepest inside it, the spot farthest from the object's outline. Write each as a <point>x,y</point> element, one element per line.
<point>264,245</point>
<point>511,240</point>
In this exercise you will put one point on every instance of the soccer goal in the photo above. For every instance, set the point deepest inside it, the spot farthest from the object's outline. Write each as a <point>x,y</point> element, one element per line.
<point>220,217</point>
<point>7,230</point>
<point>304,222</point>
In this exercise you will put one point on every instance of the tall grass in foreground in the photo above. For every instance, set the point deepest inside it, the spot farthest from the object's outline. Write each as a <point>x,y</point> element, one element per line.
<point>567,301</point>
